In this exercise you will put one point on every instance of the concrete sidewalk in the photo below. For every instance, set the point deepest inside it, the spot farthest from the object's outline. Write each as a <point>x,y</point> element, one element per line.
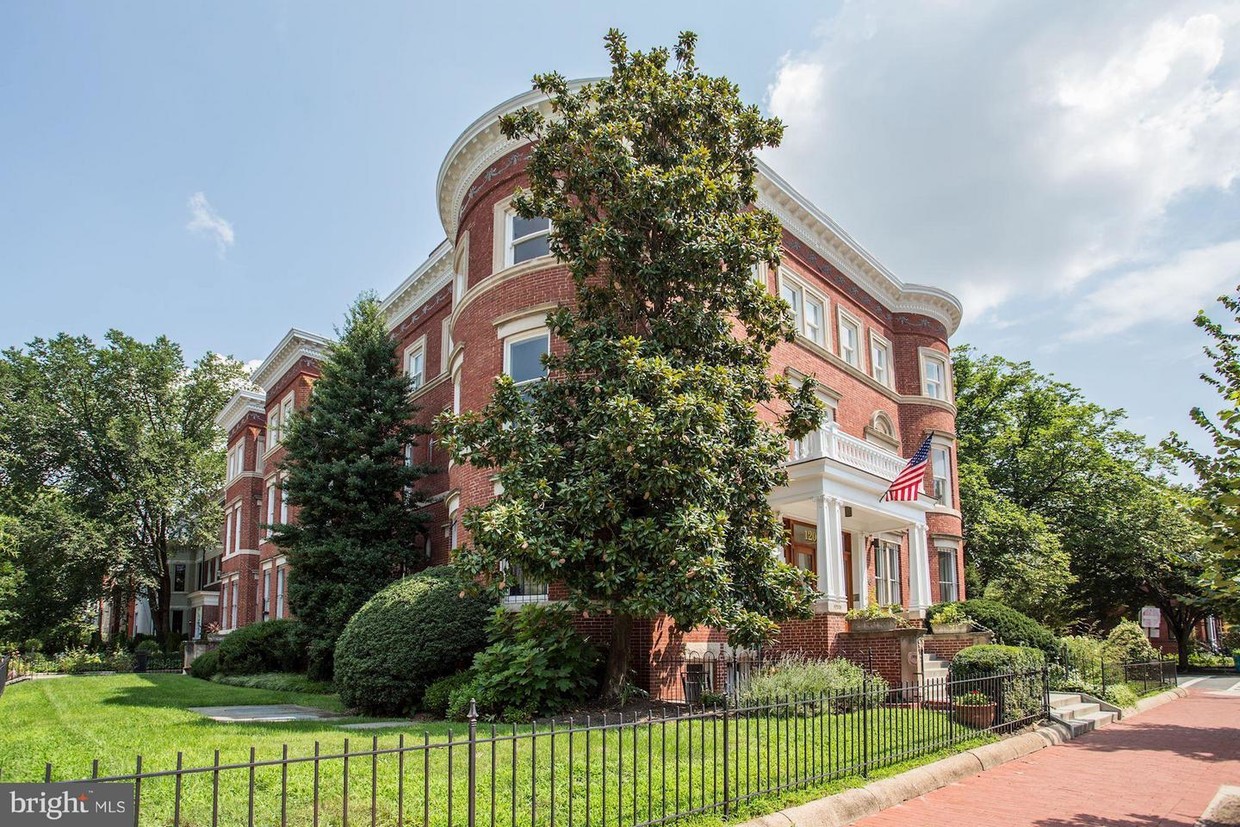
<point>1162,767</point>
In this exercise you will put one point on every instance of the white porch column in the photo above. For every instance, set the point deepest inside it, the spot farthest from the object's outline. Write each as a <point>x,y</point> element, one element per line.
<point>860,572</point>
<point>830,552</point>
<point>918,570</point>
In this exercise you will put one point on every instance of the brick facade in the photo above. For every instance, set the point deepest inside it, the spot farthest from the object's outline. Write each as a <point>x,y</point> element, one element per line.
<point>464,301</point>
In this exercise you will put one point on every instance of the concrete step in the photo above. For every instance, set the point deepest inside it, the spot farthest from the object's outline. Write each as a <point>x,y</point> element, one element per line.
<point>1075,711</point>
<point>1064,699</point>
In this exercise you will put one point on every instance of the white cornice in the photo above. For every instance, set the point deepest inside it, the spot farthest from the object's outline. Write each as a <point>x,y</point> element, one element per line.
<point>241,403</point>
<point>810,224</point>
<point>428,279</point>
<point>482,144</point>
<point>295,344</point>
<point>478,146</point>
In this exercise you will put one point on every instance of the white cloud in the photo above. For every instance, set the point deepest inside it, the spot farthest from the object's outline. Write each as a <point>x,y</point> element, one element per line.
<point>1011,149</point>
<point>252,366</point>
<point>206,221</point>
<point>1172,292</point>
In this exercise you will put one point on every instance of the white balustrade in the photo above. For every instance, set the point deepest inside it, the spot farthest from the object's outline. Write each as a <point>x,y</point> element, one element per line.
<point>832,443</point>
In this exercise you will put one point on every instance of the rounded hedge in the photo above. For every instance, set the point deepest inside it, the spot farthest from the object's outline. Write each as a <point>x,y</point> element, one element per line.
<point>206,665</point>
<point>273,646</point>
<point>1011,628</point>
<point>407,636</point>
<point>1129,643</point>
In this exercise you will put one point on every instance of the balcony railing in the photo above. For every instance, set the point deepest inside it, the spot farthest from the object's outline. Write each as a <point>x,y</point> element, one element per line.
<point>832,443</point>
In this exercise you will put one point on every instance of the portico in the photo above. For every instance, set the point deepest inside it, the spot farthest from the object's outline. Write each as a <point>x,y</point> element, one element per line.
<point>863,547</point>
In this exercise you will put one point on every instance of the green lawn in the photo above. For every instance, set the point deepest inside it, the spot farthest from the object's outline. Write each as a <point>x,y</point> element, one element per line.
<point>634,772</point>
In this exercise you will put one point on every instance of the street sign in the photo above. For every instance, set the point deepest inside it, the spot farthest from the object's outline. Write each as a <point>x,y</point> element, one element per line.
<point>1151,618</point>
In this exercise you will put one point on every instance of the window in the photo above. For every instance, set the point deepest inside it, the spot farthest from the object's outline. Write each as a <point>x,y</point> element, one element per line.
<point>941,463</point>
<point>758,272</point>
<point>237,530</point>
<point>178,621</point>
<point>528,238</point>
<point>934,376</point>
<point>522,589</point>
<point>232,602</point>
<point>286,415</point>
<point>806,308</point>
<point>850,338</point>
<point>178,577</point>
<point>523,357</point>
<point>273,427</point>
<point>228,531</point>
<point>949,582</point>
<point>281,575</point>
<point>880,360</point>
<point>284,500</point>
<point>887,573</point>
<point>236,460</point>
<point>266,593</point>
<point>271,506</point>
<point>415,366</point>
<point>445,344</point>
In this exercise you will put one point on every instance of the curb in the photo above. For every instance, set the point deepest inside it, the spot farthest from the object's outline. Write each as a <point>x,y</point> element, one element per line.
<point>1224,810</point>
<point>851,805</point>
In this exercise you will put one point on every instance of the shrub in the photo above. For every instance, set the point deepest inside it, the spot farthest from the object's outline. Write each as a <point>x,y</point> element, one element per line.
<point>206,665</point>
<point>275,682</point>
<point>1128,643</point>
<point>807,681</point>
<point>1121,695</point>
<point>32,646</point>
<point>1019,696</point>
<point>76,661</point>
<point>537,664</point>
<point>949,613</point>
<point>439,694</point>
<point>1011,628</point>
<point>412,633</point>
<point>1081,660</point>
<point>274,646</point>
<point>1230,641</point>
<point>149,646</point>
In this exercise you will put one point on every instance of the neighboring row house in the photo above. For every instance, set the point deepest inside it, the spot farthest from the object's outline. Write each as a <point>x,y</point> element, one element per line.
<point>476,308</point>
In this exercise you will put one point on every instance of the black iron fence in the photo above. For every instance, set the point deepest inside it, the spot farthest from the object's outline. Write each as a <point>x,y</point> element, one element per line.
<point>1072,669</point>
<point>597,770</point>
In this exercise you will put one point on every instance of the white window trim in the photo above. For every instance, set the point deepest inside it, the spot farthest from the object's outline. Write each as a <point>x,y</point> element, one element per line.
<point>445,343</point>
<point>925,355</point>
<point>880,343</point>
<point>417,347</point>
<point>787,278</point>
<point>889,581</point>
<point>460,269</point>
<point>519,338</point>
<point>843,317</point>
<point>502,253</point>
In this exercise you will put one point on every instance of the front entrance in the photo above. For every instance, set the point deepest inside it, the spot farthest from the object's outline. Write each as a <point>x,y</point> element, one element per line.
<point>802,548</point>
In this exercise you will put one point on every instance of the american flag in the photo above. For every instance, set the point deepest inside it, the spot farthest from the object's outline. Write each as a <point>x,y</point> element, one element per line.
<point>907,484</point>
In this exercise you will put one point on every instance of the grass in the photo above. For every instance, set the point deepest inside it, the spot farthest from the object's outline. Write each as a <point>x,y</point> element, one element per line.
<point>634,772</point>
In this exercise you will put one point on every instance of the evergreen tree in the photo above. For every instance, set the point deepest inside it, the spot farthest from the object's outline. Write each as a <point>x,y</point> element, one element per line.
<point>637,473</point>
<point>359,523</point>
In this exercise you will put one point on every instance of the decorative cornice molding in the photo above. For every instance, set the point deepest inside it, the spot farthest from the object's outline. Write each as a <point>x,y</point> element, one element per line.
<point>480,145</point>
<point>482,150</point>
<point>295,345</point>
<point>241,403</point>
<point>429,278</point>
<point>889,298</point>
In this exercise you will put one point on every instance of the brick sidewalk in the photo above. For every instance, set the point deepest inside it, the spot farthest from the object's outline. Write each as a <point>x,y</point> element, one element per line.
<point>1159,768</point>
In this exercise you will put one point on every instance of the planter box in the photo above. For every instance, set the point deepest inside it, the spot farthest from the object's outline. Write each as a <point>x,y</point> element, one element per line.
<point>873,624</point>
<point>951,628</point>
<point>978,717</point>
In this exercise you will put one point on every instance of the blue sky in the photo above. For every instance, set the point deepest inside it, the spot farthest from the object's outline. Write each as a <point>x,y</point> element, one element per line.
<point>220,172</point>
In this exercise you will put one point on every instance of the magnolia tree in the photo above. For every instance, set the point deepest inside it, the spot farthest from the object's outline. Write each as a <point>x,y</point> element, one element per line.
<point>637,473</point>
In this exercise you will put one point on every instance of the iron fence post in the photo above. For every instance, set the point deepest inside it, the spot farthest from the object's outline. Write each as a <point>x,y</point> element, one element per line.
<point>1046,691</point>
<point>865,725</point>
<point>473,764</point>
<point>727,799</point>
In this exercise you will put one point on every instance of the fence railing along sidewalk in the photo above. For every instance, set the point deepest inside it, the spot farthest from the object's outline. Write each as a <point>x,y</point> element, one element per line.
<point>21,667</point>
<point>596,770</point>
<point>1072,670</point>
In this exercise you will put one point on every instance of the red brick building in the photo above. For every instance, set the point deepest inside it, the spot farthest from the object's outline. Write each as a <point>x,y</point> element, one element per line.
<point>476,308</point>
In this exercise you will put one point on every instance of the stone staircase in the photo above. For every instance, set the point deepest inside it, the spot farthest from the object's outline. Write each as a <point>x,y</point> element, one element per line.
<point>1079,714</point>
<point>934,671</point>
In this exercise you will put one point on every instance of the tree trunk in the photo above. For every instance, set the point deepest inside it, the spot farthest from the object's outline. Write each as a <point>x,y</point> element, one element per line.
<point>114,620</point>
<point>618,658</point>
